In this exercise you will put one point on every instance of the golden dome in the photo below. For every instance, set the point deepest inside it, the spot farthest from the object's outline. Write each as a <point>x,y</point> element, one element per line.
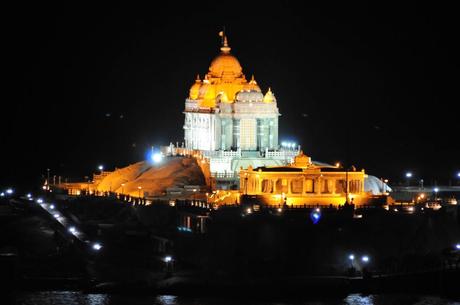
<point>207,94</point>
<point>269,97</point>
<point>195,89</point>
<point>225,64</point>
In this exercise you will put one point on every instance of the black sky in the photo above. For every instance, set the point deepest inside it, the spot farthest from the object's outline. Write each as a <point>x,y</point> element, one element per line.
<point>375,85</point>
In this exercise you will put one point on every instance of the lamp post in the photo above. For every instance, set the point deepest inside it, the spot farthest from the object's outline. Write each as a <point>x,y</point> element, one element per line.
<point>351,258</point>
<point>245,183</point>
<point>365,261</point>
<point>408,176</point>
<point>122,188</point>
<point>346,185</point>
<point>139,188</point>
<point>436,190</point>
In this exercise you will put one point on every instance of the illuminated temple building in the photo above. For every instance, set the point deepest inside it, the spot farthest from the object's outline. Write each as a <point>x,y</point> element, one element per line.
<point>234,125</point>
<point>231,144</point>
<point>231,121</point>
<point>305,183</point>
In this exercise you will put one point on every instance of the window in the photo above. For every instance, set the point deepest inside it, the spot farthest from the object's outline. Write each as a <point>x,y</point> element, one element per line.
<point>267,186</point>
<point>340,186</point>
<point>355,186</point>
<point>326,186</point>
<point>297,186</point>
<point>281,186</point>
<point>309,186</point>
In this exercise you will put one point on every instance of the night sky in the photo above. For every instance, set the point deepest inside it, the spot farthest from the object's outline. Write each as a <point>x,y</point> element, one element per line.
<point>376,87</point>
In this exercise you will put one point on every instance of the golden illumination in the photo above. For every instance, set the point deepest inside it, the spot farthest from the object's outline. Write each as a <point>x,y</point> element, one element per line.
<point>195,89</point>
<point>269,97</point>
<point>224,80</point>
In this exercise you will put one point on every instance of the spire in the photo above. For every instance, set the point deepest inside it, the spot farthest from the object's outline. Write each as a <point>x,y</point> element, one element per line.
<point>198,80</point>
<point>253,80</point>
<point>225,48</point>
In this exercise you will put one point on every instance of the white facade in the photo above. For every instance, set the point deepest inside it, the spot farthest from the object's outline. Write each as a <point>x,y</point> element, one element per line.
<point>231,121</point>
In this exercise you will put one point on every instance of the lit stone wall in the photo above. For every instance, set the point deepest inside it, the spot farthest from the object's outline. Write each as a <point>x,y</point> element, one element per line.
<point>307,186</point>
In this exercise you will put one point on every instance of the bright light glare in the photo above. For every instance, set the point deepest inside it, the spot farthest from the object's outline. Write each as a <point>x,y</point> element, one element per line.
<point>100,167</point>
<point>9,191</point>
<point>436,189</point>
<point>248,210</point>
<point>458,174</point>
<point>315,217</point>
<point>39,200</point>
<point>97,246</point>
<point>29,195</point>
<point>167,259</point>
<point>52,206</point>
<point>408,174</point>
<point>351,257</point>
<point>457,246</point>
<point>365,258</point>
<point>72,230</point>
<point>280,210</point>
<point>56,215</point>
<point>2,194</point>
<point>157,157</point>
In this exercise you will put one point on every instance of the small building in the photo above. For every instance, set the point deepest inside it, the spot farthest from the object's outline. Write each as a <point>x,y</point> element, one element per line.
<point>305,183</point>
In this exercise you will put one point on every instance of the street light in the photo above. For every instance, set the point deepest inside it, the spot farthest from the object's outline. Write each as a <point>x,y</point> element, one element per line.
<point>122,188</point>
<point>365,259</point>
<point>139,188</point>
<point>168,260</point>
<point>97,246</point>
<point>351,257</point>
<point>436,190</point>
<point>408,176</point>
<point>101,168</point>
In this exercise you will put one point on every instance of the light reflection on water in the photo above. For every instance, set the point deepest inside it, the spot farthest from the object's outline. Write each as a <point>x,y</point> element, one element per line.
<point>79,298</point>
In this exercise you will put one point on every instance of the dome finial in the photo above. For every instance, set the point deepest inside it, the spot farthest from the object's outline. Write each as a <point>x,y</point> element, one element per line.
<point>225,48</point>
<point>198,78</point>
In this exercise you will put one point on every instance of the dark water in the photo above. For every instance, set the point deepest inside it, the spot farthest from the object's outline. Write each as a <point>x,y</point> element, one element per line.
<point>78,298</point>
